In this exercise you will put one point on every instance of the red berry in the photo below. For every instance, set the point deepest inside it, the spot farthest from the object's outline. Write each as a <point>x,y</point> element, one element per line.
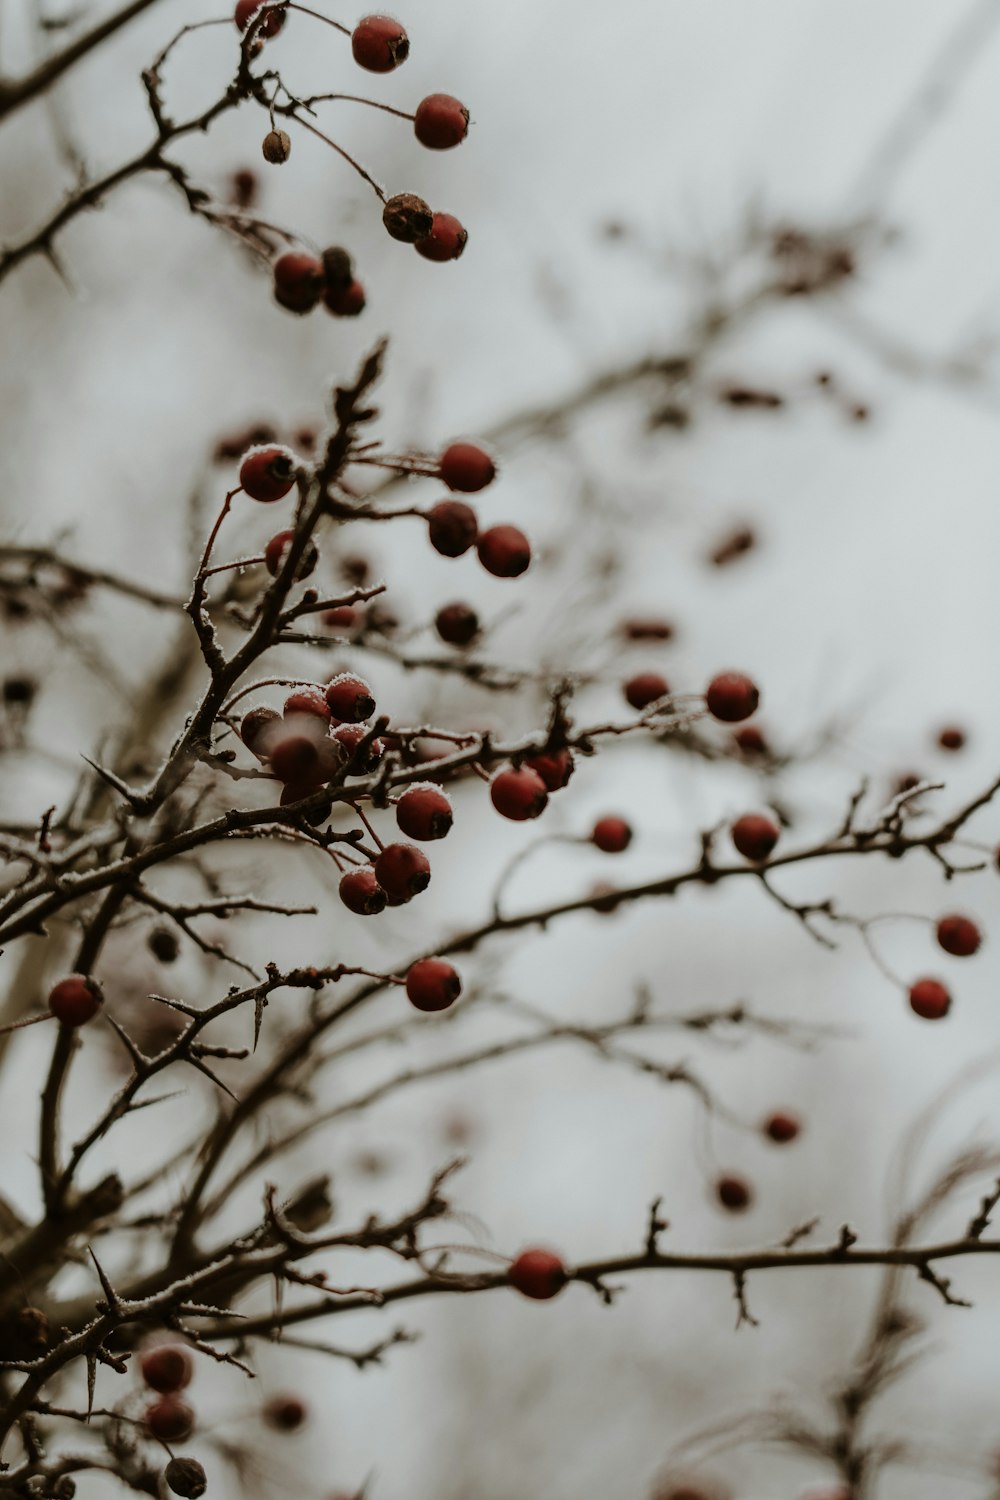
<point>361,892</point>
<point>518,795</point>
<point>538,1274</point>
<point>297,791</point>
<point>612,835</point>
<point>504,551</point>
<point>168,1367</point>
<point>403,871</point>
<point>379,44</point>
<point>359,763</point>
<point>267,474</point>
<point>781,1128</point>
<point>341,617</point>
<point>452,527</point>
<point>345,301</point>
<point>731,697</point>
<point>445,241</point>
<point>458,624</point>
<point>755,835</point>
<point>285,1413</point>
<point>466,467</point>
<point>298,281</point>
<point>75,1000</point>
<point>929,999</point>
<point>750,740</point>
<point>645,688</point>
<point>295,758</point>
<point>951,738</point>
<point>647,628</point>
<point>555,767</point>
<point>440,122</point>
<point>247,9</point>
<point>958,935</point>
<point>432,984</point>
<point>170,1419</point>
<point>350,698</point>
<point>734,1194</point>
<point>308,700</point>
<point>424,812</point>
<point>259,729</point>
<point>277,550</point>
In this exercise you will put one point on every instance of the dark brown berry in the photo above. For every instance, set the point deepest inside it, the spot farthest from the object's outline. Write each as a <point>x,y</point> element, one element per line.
<point>504,551</point>
<point>457,624</point>
<point>167,1367</point>
<point>755,836</point>
<point>959,936</point>
<point>276,147</point>
<point>298,281</point>
<point>407,218</point>
<point>734,1194</point>
<point>169,1419</point>
<point>185,1477</point>
<point>452,527</point>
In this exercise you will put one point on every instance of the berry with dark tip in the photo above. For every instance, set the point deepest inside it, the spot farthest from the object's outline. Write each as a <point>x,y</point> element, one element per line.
<point>519,795</point>
<point>361,893</point>
<point>75,1000</point>
<point>345,301</point>
<point>350,698</point>
<point>424,812</point>
<point>298,281</point>
<point>466,467</point>
<point>308,700</point>
<point>441,122</point>
<point>611,835</point>
<point>555,767</point>
<point>731,697</point>
<point>259,729</point>
<point>734,1194</point>
<point>645,688</point>
<point>432,984</point>
<point>359,762</point>
<point>277,550</point>
<point>959,936</point>
<point>538,1274</point>
<point>446,240</point>
<point>167,1367</point>
<point>379,44</point>
<point>267,474</point>
<point>403,871</point>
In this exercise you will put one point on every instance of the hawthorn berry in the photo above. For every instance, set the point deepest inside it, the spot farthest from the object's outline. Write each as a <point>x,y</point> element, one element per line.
<point>754,836</point>
<point>359,762</point>
<point>929,999</point>
<point>604,898</point>
<point>270,26</point>
<point>441,122</point>
<point>163,945</point>
<point>350,698</point>
<point>298,791</point>
<point>403,871</point>
<point>734,1194</point>
<point>167,1367</point>
<point>75,1000</point>
<point>445,241</point>
<point>424,812</point>
<point>169,1419</point>
<point>379,44</point>
<point>295,759</point>
<point>466,467</point>
<point>647,628</point>
<point>244,193</point>
<point>952,738</point>
<point>361,892</point>
<point>555,767</point>
<point>959,936</point>
<point>731,697</point>
<point>611,835</point>
<point>504,551</point>
<point>781,1127</point>
<point>645,688</point>
<point>457,624</point>
<point>518,795</point>
<point>432,984</point>
<point>276,147</point>
<point>338,267</point>
<point>267,474</point>
<point>345,301</point>
<point>185,1477</point>
<point>407,218</point>
<point>750,740</point>
<point>285,1413</point>
<point>277,549</point>
<point>259,729</point>
<point>298,282</point>
<point>538,1274</point>
<point>341,617</point>
<point>452,527</point>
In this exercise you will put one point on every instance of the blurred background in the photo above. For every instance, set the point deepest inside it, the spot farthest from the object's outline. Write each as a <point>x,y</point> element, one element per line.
<point>799,202</point>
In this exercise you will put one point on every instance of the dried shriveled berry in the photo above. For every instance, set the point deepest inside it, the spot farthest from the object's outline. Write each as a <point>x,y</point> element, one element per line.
<point>407,218</point>
<point>185,1477</point>
<point>452,527</point>
<point>731,697</point>
<point>446,240</point>
<point>379,43</point>
<point>361,893</point>
<point>432,984</point>
<point>425,813</point>
<point>441,122</point>
<point>403,871</point>
<point>519,795</point>
<point>538,1274</point>
<point>76,999</point>
<point>276,147</point>
<point>755,836</point>
<point>267,474</point>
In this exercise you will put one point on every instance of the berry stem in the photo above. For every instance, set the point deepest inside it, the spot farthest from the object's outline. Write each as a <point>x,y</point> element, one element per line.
<point>379,192</point>
<point>317,16</point>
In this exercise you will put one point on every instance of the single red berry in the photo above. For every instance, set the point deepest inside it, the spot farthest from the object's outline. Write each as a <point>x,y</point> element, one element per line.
<point>958,935</point>
<point>298,281</point>
<point>466,467</point>
<point>379,44</point>
<point>424,812</point>
<point>555,767</point>
<point>350,698</point>
<point>341,617</point>
<point>755,836</point>
<point>247,9</point>
<point>167,1367</point>
<point>951,738</point>
<point>929,999</point>
<point>359,762</point>
<point>734,1194</point>
<point>432,984</point>
<point>612,835</point>
<point>452,527</point>
<point>361,892</point>
<point>457,624</point>
<point>504,551</point>
<point>518,795</point>
<point>731,697</point>
<point>407,218</point>
<point>267,474</point>
<point>277,550</point>
<point>308,700</point>
<point>645,688</point>
<point>75,1000</point>
<point>538,1274</point>
<point>647,628</point>
<point>169,1419</point>
<point>781,1127</point>
<point>403,871</point>
<point>185,1477</point>
<point>345,301</point>
<point>446,240</point>
<point>750,740</point>
<point>295,758</point>
<point>285,1413</point>
<point>259,729</point>
<point>441,122</point>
